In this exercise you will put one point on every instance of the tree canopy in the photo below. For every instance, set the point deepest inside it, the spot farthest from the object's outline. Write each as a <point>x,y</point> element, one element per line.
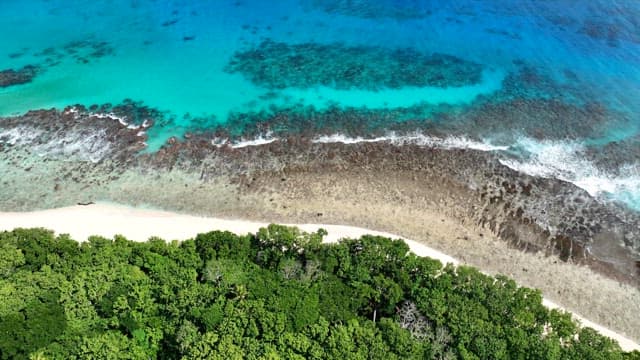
<point>277,294</point>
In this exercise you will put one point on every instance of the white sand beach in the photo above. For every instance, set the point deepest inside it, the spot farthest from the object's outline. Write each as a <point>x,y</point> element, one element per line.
<point>139,224</point>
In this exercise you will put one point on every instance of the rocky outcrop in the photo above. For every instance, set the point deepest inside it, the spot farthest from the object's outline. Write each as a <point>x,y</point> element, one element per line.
<point>73,133</point>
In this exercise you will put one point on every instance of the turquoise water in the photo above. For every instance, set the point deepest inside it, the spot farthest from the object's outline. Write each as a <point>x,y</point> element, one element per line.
<point>175,56</point>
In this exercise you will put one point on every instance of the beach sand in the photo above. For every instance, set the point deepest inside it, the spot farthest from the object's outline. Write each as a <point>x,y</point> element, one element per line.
<point>140,224</point>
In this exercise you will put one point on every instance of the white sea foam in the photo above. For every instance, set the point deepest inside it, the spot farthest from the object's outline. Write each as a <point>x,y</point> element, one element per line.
<point>94,147</point>
<point>255,142</point>
<point>122,120</point>
<point>339,138</point>
<point>562,160</point>
<point>267,138</point>
<point>72,110</point>
<point>19,135</point>
<point>451,142</point>
<point>565,160</point>
<point>111,116</point>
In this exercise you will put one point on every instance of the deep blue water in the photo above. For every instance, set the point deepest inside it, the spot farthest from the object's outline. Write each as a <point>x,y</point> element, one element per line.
<point>205,63</point>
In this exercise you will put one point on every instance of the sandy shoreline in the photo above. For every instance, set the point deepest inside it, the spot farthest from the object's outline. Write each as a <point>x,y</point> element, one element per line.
<point>139,224</point>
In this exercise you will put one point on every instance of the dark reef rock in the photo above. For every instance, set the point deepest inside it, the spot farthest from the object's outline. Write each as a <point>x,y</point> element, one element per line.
<point>73,134</point>
<point>534,118</point>
<point>12,77</point>
<point>279,65</point>
<point>135,112</point>
<point>309,122</point>
<point>614,157</point>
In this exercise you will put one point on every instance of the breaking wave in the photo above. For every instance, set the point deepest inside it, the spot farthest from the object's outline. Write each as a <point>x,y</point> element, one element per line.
<point>567,161</point>
<point>451,142</point>
<point>564,160</point>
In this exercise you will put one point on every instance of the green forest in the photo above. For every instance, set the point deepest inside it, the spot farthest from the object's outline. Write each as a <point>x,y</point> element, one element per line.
<point>277,294</point>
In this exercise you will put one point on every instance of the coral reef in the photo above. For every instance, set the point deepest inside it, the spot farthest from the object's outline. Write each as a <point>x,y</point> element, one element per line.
<point>12,77</point>
<point>279,65</point>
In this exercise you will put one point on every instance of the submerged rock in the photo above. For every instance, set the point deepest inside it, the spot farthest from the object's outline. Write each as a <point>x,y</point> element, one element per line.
<point>278,65</point>
<point>399,10</point>
<point>11,77</point>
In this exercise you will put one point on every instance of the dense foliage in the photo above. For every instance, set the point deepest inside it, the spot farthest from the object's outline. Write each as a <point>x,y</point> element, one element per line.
<point>279,294</point>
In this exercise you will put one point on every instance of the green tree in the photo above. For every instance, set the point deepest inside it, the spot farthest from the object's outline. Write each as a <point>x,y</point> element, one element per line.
<point>11,259</point>
<point>278,294</point>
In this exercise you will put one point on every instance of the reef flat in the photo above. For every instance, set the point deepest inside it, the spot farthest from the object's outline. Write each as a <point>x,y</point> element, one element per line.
<point>381,185</point>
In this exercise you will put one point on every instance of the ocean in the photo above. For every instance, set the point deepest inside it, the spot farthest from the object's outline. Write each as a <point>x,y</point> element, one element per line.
<point>550,86</point>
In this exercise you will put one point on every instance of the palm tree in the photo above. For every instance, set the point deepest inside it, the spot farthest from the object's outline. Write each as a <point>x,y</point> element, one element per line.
<point>239,292</point>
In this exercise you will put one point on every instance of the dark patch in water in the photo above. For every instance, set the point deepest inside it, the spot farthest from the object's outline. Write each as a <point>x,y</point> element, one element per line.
<point>188,38</point>
<point>11,77</point>
<point>50,51</point>
<point>547,119</point>
<point>18,54</point>
<point>279,65</point>
<point>602,31</point>
<point>454,20</point>
<point>170,23</point>
<point>504,33</point>
<point>399,10</point>
<point>570,75</point>
<point>82,51</point>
